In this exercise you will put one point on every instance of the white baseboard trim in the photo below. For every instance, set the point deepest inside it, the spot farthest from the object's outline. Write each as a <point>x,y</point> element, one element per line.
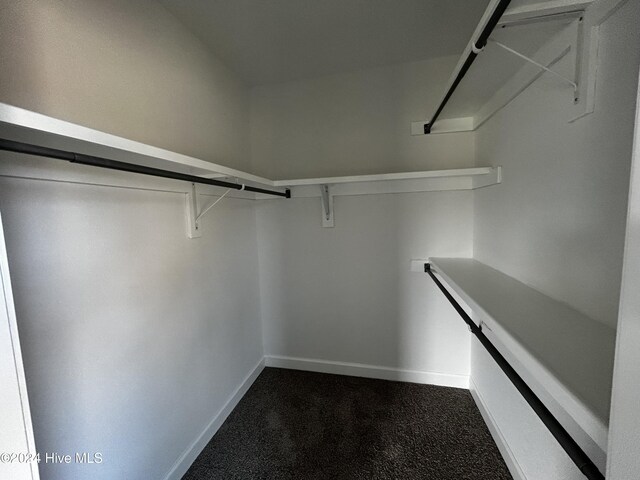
<point>496,433</point>
<point>368,371</point>
<point>185,460</point>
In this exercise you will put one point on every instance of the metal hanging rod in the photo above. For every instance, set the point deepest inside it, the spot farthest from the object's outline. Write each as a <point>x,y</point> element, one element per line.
<point>476,48</point>
<point>20,147</point>
<point>568,444</point>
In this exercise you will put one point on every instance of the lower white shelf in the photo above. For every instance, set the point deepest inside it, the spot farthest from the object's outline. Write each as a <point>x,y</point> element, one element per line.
<point>565,356</point>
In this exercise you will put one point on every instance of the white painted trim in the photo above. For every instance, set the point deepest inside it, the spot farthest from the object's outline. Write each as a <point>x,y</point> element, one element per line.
<point>185,460</point>
<point>507,454</point>
<point>367,371</point>
<point>455,172</point>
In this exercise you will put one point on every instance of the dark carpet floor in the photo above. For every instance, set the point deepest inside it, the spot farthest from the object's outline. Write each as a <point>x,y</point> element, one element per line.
<point>303,425</point>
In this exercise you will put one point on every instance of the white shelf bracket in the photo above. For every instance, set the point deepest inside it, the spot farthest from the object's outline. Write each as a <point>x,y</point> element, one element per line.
<point>588,52</point>
<point>539,65</point>
<point>193,217</point>
<point>327,207</point>
<point>193,229</point>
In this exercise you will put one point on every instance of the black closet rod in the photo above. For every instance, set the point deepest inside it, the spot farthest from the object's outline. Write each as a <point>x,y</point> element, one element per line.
<point>569,445</point>
<point>80,158</point>
<point>479,44</point>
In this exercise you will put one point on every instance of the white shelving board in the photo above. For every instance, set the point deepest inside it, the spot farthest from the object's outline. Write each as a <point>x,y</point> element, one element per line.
<point>404,182</point>
<point>567,356</point>
<point>30,127</point>
<point>458,172</point>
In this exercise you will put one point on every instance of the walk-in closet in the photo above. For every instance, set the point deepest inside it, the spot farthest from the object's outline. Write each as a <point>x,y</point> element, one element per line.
<point>330,239</point>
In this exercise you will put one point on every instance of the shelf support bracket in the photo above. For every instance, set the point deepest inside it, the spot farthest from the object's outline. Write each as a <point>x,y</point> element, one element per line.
<point>327,207</point>
<point>193,229</point>
<point>213,204</point>
<point>193,217</point>
<point>537,64</point>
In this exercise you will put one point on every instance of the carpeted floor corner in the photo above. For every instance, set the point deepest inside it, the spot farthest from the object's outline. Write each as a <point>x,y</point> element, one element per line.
<point>303,425</point>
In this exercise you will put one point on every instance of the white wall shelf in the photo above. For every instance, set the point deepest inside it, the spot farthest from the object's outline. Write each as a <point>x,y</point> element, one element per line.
<point>565,356</point>
<point>458,172</point>
<point>30,127</point>
<point>406,182</point>
<point>579,41</point>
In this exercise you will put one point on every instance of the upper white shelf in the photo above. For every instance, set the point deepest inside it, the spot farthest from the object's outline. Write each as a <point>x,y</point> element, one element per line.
<point>458,172</point>
<point>405,182</point>
<point>31,127</point>
<point>566,353</point>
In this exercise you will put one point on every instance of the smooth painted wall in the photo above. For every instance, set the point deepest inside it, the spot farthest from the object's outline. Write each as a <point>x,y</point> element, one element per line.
<point>125,67</point>
<point>557,221</point>
<point>133,335</point>
<point>355,124</point>
<point>346,294</point>
<point>624,436</point>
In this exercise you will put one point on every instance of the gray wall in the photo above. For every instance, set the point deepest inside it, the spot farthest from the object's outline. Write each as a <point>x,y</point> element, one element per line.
<point>354,124</point>
<point>125,67</point>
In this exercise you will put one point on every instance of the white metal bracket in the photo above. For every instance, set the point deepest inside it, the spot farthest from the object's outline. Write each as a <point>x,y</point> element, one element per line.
<point>587,54</point>
<point>327,206</point>
<point>193,217</point>
<point>539,65</point>
<point>193,229</point>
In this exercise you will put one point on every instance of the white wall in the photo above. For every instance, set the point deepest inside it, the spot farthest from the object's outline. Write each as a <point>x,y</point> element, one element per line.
<point>133,335</point>
<point>354,124</point>
<point>346,294</point>
<point>125,67</point>
<point>624,439</point>
<point>557,221</point>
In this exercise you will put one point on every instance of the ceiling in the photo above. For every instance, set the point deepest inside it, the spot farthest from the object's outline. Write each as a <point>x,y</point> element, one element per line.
<point>273,41</point>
